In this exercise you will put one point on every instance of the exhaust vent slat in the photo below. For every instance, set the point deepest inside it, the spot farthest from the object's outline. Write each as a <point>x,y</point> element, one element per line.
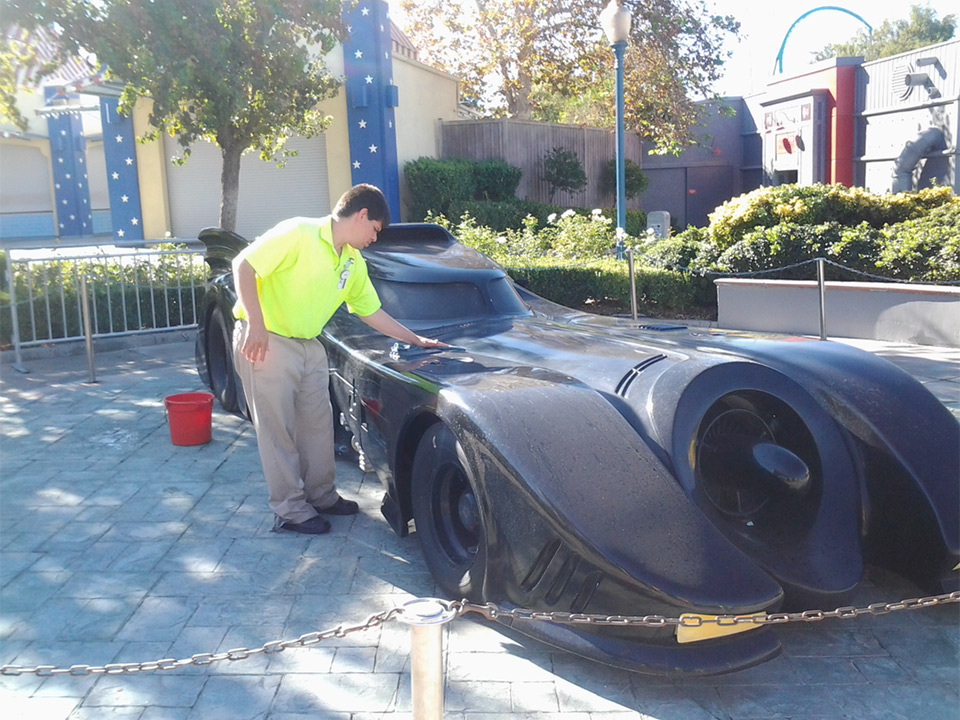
<point>624,385</point>
<point>540,565</point>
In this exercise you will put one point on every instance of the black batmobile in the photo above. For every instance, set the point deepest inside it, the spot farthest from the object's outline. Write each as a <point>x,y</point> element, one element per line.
<point>560,461</point>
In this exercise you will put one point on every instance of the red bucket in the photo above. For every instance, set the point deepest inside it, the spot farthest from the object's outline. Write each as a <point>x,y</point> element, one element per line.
<point>189,415</point>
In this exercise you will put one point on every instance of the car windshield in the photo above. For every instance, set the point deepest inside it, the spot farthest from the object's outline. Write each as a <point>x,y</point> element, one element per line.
<point>448,302</point>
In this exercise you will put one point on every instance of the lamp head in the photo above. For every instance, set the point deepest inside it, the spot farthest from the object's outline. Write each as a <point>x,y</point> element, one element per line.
<point>615,21</point>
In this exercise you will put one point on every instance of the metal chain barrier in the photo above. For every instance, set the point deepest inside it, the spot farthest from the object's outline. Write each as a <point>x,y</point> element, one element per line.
<point>269,648</point>
<point>491,611</point>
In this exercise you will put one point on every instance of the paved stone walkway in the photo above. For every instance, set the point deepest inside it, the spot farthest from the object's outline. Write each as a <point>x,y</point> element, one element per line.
<point>116,546</point>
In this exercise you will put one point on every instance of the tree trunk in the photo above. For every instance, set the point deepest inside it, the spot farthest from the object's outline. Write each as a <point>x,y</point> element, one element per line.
<point>229,185</point>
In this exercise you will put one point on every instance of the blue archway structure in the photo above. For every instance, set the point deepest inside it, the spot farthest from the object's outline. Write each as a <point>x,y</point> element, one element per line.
<point>779,61</point>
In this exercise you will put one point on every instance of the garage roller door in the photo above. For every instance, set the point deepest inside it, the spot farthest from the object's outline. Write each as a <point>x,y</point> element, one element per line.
<point>268,194</point>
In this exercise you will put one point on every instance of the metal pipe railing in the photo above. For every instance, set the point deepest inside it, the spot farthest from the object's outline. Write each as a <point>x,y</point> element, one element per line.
<point>167,276</point>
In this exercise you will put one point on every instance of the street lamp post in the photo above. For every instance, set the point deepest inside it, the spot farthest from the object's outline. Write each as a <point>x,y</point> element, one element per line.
<point>615,20</point>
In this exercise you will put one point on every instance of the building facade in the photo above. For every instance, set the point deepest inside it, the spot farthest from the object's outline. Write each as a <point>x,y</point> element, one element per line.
<point>387,112</point>
<point>890,125</point>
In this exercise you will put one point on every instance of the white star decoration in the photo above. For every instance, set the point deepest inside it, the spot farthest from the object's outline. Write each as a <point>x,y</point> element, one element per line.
<point>362,124</point>
<point>129,161</point>
<point>119,138</point>
<point>373,148</point>
<point>115,176</point>
<point>124,198</point>
<point>369,79</point>
<point>119,233</point>
<point>356,164</point>
<point>365,11</point>
<point>134,221</point>
<point>358,54</point>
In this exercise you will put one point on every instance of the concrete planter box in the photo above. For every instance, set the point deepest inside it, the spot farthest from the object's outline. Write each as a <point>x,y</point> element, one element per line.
<point>916,314</point>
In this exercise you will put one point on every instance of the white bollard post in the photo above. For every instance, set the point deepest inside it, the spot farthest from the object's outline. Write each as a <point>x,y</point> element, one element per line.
<point>821,285</point>
<point>425,617</point>
<point>87,331</point>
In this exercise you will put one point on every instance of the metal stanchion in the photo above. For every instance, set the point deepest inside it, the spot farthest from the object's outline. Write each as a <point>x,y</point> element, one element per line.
<point>14,318</point>
<point>633,284</point>
<point>821,284</point>
<point>425,617</point>
<point>87,331</point>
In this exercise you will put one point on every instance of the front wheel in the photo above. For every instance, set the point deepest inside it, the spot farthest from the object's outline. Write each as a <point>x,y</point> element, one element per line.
<point>448,516</point>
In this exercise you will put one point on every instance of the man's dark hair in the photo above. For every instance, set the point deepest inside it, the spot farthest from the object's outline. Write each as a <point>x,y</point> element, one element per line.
<point>364,196</point>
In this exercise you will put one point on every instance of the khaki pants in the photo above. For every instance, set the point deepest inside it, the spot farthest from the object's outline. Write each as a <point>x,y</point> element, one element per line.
<point>288,394</point>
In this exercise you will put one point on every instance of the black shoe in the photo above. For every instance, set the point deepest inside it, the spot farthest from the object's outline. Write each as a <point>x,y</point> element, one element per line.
<point>340,507</point>
<point>314,526</point>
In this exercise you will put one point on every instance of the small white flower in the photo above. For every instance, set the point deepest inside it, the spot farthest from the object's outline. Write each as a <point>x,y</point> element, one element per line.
<point>651,232</point>
<point>596,212</point>
<point>551,217</point>
<point>568,213</point>
<point>621,234</point>
<point>502,240</point>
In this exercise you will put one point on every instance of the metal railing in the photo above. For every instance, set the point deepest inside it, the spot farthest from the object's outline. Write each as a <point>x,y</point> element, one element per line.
<point>128,291</point>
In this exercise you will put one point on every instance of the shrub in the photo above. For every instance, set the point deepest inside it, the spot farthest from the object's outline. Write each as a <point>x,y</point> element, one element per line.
<point>858,247</point>
<point>562,170</point>
<point>435,184</point>
<point>925,248</point>
<point>495,180</point>
<point>635,182</point>
<point>677,252</point>
<point>505,214</point>
<point>817,204</point>
<point>780,246</point>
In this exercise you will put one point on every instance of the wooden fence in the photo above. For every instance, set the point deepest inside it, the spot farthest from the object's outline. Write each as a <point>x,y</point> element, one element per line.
<point>524,144</point>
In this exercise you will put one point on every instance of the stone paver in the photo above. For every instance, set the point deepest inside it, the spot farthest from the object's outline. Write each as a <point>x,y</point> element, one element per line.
<point>116,546</point>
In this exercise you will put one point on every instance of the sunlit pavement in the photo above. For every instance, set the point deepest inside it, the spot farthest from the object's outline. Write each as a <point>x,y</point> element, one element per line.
<point>117,546</point>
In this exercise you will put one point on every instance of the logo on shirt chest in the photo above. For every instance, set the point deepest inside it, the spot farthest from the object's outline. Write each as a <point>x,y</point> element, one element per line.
<point>345,274</point>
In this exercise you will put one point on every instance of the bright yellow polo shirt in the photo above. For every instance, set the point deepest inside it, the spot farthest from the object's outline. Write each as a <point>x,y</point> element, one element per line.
<point>301,281</point>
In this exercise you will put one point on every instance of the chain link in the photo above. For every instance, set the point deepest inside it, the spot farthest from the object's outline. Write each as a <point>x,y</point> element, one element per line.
<point>491,612</point>
<point>202,659</point>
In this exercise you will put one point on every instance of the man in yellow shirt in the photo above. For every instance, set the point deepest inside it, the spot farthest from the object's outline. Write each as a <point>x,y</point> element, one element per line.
<point>289,282</point>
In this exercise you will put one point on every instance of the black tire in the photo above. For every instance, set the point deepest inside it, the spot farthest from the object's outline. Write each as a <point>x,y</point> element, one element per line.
<point>448,517</point>
<point>223,377</point>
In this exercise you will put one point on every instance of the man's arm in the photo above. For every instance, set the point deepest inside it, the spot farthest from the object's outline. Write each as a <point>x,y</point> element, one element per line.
<point>383,322</point>
<point>245,282</point>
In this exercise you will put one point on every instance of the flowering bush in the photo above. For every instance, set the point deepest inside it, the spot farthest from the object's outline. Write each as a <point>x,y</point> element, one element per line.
<point>817,204</point>
<point>567,236</point>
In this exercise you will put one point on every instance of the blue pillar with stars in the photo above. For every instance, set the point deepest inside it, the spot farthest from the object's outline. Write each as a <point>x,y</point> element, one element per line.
<point>123,185</point>
<point>371,99</point>
<point>68,155</point>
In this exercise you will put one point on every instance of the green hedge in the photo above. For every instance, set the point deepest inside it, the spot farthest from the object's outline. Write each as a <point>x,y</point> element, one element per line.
<point>605,282</point>
<point>435,185</point>
<point>567,256</point>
